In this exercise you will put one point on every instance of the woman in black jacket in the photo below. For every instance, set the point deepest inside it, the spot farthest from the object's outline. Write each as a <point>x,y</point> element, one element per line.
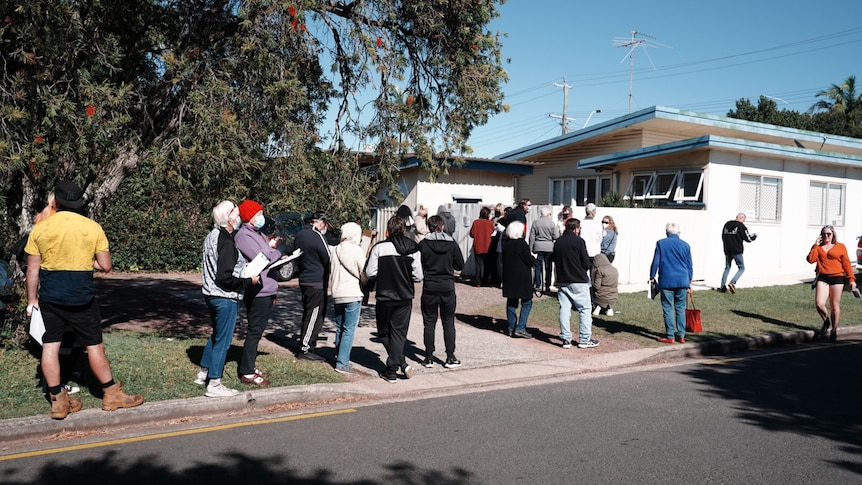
<point>518,265</point>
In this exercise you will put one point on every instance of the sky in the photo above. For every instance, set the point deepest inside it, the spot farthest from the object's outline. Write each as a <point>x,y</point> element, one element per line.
<point>704,57</point>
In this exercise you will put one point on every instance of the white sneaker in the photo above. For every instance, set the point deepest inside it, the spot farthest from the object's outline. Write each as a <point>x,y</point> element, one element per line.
<point>597,310</point>
<point>201,378</point>
<point>71,389</point>
<point>220,391</point>
<point>610,312</point>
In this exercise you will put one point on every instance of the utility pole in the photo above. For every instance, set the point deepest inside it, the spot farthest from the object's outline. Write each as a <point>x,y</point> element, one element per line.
<point>563,118</point>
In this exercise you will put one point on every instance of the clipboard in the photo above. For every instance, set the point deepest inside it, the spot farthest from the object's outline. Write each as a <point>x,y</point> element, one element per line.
<point>260,263</point>
<point>255,266</point>
<point>280,261</point>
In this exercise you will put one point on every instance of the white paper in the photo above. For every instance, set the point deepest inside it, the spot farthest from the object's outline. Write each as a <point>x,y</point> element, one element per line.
<point>290,257</point>
<point>37,325</point>
<point>255,266</point>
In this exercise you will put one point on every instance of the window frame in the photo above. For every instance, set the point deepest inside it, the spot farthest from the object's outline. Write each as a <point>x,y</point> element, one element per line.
<point>824,215</point>
<point>756,213</point>
<point>601,183</point>
<point>675,190</point>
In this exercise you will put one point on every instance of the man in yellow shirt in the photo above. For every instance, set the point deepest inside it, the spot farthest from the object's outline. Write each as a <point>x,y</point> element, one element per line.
<point>62,252</point>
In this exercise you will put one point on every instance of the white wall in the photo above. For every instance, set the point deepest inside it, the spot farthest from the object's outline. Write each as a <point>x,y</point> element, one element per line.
<point>434,194</point>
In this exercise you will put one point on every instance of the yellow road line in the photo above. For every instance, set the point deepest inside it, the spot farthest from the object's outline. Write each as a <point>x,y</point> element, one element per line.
<point>791,351</point>
<point>171,434</point>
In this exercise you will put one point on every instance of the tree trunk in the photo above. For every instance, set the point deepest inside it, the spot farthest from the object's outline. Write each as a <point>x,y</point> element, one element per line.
<point>112,175</point>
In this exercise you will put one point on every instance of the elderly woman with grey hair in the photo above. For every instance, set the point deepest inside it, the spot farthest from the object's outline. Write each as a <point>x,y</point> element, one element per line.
<point>518,265</point>
<point>223,287</point>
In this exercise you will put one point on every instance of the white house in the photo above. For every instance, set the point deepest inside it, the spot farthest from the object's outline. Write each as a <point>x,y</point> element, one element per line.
<point>700,171</point>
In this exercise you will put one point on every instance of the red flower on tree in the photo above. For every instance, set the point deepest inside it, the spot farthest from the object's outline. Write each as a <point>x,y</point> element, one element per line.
<point>91,111</point>
<point>379,42</point>
<point>39,139</point>
<point>291,11</point>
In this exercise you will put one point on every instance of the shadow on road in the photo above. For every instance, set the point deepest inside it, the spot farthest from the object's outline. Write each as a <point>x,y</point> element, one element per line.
<point>797,392</point>
<point>231,468</point>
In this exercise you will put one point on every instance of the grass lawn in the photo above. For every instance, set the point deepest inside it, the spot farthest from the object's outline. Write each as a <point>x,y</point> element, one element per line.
<point>752,311</point>
<point>157,367</point>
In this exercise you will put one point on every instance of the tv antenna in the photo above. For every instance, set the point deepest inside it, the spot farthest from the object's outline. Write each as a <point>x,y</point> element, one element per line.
<point>638,39</point>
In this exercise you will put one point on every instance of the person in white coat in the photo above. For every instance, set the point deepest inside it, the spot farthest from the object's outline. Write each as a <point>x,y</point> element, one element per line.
<point>346,266</point>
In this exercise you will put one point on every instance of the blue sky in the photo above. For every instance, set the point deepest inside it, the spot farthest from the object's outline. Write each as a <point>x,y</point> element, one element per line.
<point>718,52</point>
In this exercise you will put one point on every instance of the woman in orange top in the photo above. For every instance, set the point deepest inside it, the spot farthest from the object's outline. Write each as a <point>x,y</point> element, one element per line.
<point>833,268</point>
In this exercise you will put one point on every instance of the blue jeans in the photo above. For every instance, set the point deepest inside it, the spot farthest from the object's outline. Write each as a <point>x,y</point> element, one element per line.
<point>740,264</point>
<point>346,320</point>
<point>577,295</point>
<point>512,314</point>
<point>673,307</point>
<point>223,317</point>
<point>543,268</point>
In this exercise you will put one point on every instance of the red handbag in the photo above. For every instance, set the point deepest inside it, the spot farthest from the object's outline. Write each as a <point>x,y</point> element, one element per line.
<point>692,316</point>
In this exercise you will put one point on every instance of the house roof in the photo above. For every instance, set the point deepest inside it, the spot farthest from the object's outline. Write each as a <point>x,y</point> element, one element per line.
<point>694,126</point>
<point>513,166</point>
<point>724,143</point>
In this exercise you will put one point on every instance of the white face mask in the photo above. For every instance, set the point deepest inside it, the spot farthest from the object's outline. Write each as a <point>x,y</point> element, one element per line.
<point>236,224</point>
<point>259,221</point>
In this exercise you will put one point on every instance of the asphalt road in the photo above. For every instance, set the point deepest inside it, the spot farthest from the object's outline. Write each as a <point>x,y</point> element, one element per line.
<point>789,415</point>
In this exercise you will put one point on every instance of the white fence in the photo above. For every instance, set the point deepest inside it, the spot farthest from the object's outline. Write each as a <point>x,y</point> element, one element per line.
<point>779,250</point>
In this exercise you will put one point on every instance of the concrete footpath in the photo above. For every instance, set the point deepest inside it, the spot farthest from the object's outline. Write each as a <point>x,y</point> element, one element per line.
<point>491,360</point>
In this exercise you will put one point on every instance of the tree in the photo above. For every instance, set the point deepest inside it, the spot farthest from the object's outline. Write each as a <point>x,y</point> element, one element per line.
<point>839,98</point>
<point>841,112</point>
<point>767,111</point>
<point>226,98</point>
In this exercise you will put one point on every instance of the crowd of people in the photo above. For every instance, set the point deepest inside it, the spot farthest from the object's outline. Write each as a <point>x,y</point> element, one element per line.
<point>567,256</point>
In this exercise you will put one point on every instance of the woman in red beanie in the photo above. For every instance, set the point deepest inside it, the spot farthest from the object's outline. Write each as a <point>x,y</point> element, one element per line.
<point>258,299</point>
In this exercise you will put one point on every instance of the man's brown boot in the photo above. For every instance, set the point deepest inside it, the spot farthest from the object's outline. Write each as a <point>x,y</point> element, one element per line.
<point>62,405</point>
<point>114,398</point>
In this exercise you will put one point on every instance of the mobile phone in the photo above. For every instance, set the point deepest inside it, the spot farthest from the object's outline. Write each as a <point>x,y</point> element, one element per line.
<point>857,294</point>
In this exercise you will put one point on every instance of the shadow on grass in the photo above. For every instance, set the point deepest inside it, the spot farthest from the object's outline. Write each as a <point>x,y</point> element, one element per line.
<point>769,320</point>
<point>228,467</point>
<point>617,327</point>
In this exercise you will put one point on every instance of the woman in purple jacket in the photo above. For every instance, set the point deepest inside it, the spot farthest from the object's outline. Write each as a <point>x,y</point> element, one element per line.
<point>258,299</point>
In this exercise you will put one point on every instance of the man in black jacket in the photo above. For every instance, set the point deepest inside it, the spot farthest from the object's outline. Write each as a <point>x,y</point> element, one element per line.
<point>572,264</point>
<point>313,283</point>
<point>441,257</point>
<point>395,264</point>
<point>732,236</point>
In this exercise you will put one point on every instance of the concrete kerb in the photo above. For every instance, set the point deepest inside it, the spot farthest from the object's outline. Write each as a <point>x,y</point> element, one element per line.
<point>200,411</point>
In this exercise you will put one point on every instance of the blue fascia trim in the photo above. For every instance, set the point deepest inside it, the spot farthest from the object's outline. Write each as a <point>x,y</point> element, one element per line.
<point>485,166</point>
<point>721,142</point>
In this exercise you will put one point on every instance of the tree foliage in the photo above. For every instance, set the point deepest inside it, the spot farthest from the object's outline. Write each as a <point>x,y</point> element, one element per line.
<point>839,112</point>
<point>217,99</point>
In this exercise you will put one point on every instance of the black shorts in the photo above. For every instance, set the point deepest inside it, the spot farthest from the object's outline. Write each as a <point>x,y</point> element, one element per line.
<point>85,320</point>
<point>829,279</point>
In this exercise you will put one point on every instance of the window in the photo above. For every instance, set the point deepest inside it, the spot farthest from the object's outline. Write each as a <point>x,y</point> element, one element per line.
<point>582,190</point>
<point>760,198</point>
<point>826,204</point>
<point>561,191</point>
<point>669,186</point>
